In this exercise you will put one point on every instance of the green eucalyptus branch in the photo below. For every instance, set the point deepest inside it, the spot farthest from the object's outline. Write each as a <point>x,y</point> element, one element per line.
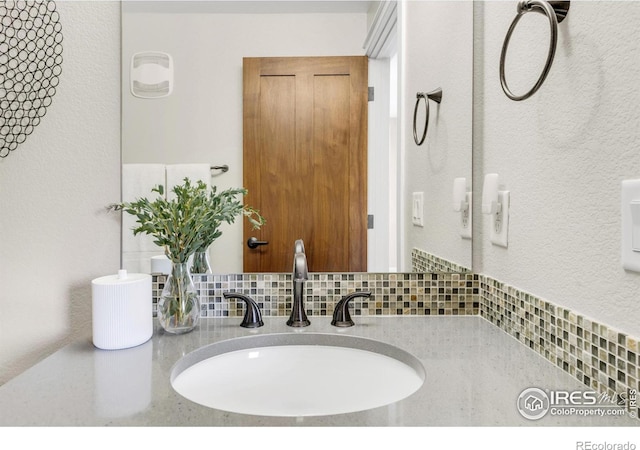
<point>191,220</point>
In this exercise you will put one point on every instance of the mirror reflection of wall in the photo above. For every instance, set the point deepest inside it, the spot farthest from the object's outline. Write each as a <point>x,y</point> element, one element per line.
<point>446,152</point>
<point>201,121</point>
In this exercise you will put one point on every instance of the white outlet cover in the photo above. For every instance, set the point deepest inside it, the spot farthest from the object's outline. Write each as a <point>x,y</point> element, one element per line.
<point>417,209</point>
<point>500,237</point>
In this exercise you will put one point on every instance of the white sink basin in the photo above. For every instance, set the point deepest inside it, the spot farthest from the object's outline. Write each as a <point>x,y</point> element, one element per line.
<point>297,375</point>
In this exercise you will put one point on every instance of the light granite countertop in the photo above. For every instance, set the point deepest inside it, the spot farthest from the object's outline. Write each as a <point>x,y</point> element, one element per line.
<point>474,375</point>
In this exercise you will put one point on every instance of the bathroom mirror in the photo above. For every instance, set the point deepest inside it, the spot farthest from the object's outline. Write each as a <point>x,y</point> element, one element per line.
<point>200,121</point>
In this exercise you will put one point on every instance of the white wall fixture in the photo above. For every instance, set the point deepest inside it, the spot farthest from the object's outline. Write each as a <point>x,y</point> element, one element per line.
<point>151,74</point>
<point>462,204</point>
<point>495,202</point>
<point>417,209</point>
<point>630,209</point>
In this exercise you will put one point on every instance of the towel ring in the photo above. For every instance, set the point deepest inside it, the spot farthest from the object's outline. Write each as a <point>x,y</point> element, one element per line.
<point>436,96</point>
<point>555,11</point>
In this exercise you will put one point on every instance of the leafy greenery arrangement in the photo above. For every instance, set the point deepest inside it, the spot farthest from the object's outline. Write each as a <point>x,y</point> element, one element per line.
<point>191,220</point>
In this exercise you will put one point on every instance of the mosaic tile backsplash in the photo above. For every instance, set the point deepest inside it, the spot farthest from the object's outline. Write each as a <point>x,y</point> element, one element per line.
<point>422,261</point>
<point>392,294</point>
<point>602,358</point>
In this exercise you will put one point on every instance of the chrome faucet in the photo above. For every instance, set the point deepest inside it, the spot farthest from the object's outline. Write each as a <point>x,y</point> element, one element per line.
<point>298,316</point>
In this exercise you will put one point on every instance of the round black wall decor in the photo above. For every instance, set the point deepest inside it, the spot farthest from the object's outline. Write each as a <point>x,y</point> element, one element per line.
<point>30,63</point>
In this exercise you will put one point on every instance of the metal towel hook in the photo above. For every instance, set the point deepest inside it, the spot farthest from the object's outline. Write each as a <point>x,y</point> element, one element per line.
<point>555,11</point>
<point>436,96</point>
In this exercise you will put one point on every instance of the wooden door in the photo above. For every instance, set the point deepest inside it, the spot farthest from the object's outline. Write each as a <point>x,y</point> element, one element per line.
<point>305,161</point>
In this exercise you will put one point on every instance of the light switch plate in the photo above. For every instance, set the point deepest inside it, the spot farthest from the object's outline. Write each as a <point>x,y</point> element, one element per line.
<point>629,209</point>
<point>417,209</point>
<point>499,234</point>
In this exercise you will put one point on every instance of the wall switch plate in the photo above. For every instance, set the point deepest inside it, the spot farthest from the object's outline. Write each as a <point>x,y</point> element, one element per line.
<point>417,209</point>
<point>630,211</point>
<point>499,234</point>
<point>466,219</point>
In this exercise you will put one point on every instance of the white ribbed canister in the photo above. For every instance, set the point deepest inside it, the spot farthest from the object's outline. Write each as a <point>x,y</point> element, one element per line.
<point>122,310</point>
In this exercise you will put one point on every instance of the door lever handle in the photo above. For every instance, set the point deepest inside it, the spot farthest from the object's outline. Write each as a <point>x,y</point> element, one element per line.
<point>253,242</point>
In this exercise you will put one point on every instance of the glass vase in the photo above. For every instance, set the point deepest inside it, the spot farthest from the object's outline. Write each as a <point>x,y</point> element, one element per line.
<point>200,262</point>
<point>179,305</point>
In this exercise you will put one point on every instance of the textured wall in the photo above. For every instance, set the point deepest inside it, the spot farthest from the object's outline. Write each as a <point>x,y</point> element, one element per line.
<point>562,154</point>
<point>55,235</point>
<point>438,52</point>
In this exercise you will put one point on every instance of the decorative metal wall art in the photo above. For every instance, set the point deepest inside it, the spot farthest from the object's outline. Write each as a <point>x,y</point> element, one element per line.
<point>30,64</point>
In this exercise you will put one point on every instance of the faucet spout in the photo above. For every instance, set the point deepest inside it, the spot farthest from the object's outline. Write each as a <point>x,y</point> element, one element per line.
<point>300,270</point>
<point>298,316</point>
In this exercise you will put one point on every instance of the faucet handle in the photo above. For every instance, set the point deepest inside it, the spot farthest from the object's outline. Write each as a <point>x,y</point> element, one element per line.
<point>252,316</point>
<point>341,316</point>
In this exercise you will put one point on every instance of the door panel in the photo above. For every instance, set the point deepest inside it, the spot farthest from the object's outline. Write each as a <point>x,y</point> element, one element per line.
<point>305,129</point>
<point>330,171</point>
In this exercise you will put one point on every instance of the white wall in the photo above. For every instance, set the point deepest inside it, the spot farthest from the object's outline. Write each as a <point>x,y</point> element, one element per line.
<point>562,153</point>
<point>55,235</point>
<point>437,52</point>
<point>202,120</point>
